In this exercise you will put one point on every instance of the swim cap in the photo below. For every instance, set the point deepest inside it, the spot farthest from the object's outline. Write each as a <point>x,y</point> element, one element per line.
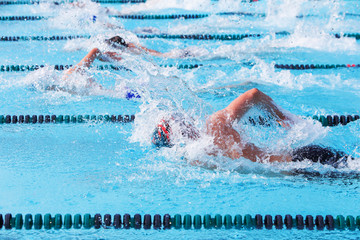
<point>116,41</point>
<point>161,135</point>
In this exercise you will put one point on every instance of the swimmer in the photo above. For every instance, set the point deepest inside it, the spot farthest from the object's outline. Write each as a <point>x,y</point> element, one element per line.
<point>118,42</point>
<point>231,144</point>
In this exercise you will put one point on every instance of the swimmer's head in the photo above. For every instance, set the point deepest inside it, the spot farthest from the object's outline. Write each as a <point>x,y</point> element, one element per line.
<point>116,42</point>
<point>163,132</point>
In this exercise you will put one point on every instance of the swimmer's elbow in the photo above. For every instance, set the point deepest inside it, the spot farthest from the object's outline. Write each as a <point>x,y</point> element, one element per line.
<point>253,93</point>
<point>95,51</point>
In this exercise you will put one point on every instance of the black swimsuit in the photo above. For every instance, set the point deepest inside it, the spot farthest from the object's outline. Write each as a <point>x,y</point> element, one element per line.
<point>323,155</point>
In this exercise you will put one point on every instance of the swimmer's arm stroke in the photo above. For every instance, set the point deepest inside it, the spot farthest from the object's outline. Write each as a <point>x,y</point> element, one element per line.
<point>219,125</point>
<point>232,146</point>
<point>151,51</point>
<point>251,98</point>
<point>109,56</point>
<point>91,57</point>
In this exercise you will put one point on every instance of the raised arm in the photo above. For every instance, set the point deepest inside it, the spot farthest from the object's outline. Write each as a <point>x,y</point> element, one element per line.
<point>219,125</point>
<point>238,107</point>
<point>90,58</point>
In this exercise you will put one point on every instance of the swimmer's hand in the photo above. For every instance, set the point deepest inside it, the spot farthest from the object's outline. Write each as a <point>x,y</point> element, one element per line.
<point>109,56</point>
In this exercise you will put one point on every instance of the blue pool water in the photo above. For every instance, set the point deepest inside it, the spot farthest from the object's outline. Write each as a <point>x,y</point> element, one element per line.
<point>113,168</point>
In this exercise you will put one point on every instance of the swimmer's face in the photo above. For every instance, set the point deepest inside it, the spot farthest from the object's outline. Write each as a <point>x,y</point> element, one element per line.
<point>117,42</point>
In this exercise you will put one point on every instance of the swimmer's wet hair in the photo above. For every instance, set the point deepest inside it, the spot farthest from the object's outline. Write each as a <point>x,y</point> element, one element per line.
<point>116,41</point>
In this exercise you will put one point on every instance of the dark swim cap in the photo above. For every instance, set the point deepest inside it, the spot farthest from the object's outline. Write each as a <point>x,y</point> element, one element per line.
<point>117,40</point>
<point>161,135</point>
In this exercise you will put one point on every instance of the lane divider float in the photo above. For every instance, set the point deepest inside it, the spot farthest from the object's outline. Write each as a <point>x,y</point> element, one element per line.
<point>335,120</point>
<point>146,36</point>
<point>222,37</point>
<point>23,2</point>
<point>169,16</point>
<point>24,68</point>
<point>187,222</point>
<point>161,17</point>
<point>40,38</point>
<point>21,18</point>
<point>26,119</point>
<point>326,121</point>
<point>314,66</point>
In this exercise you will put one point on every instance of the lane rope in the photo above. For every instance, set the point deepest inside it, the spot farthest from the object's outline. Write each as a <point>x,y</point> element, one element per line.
<point>314,66</point>
<point>17,2</point>
<point>222,37</point>
<point>23,68</point>
<point>168,16</point>
<point>21,18</point>
<point>326,121</point>
<point>177,221</point>
<point>205,15</point>
<point>147,36</point>
<point>335,120</point>
<point>40,38</point>
<point>27,119</point>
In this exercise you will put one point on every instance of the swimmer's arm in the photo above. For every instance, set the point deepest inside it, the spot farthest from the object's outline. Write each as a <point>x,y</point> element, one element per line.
<point>151,51</point>
<point>90,58</point>
<point>251,98</point>
<point>85,62</point>
<point>226,138</point>
<point>109,56</point>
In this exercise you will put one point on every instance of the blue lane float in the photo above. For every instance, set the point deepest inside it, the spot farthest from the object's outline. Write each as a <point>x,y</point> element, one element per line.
<point>177,221</point>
